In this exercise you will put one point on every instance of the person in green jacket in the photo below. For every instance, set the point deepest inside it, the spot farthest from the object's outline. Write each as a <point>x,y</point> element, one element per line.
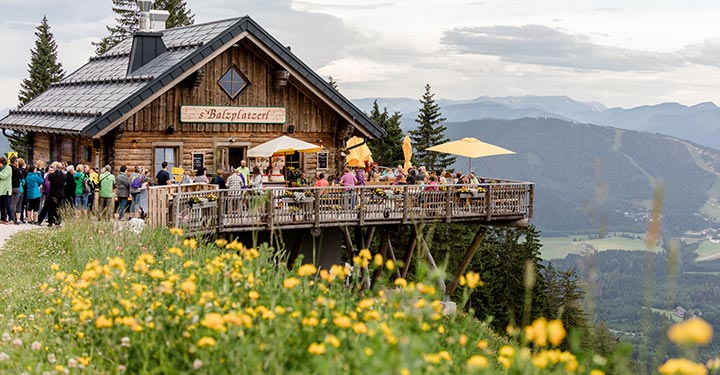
<point>81,190</point>
<point>5,191</point>
<point>107,181</point>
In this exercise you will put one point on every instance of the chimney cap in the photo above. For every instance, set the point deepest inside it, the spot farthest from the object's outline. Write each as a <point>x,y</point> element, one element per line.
<point>144,5</point>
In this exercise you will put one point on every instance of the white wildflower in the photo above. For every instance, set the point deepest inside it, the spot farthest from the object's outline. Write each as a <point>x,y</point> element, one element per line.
<point>4,357</point>
<point>125,342</point>
<point>197,364</point>
<point>6,337</point>
<point>72,362</point>
<point>51,358</point>
<point>35,345</point>
<point>17,342</point>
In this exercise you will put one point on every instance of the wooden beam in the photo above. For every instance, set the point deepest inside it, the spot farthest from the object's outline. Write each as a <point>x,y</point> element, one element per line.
<point>392,256</point>
<point>369,238</point>
<point>384,245</point>
<point>431,260</point>
<point>474,245</point>
<point>297,246</point>
<point>411,250</point>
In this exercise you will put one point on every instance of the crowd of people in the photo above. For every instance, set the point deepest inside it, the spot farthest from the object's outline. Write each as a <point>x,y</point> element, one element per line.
<point>398,176</point>
<point>35,193</point>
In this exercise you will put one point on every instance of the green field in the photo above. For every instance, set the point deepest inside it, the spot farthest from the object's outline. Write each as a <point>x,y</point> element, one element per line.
<point>559,247</point>
<point>708,251</point>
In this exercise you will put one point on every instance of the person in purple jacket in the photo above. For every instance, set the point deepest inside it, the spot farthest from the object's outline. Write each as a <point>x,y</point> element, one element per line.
<point>348,181</point>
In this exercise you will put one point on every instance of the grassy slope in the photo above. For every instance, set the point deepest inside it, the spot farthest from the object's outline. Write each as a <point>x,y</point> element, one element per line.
<point>559,247</point>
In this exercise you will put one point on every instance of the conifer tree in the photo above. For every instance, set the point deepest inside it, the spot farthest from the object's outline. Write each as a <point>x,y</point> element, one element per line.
<point>43,69</point>
<point>387,151</point>
<point>430,132</point>
<point>128,20</point>
<point>180,15</point>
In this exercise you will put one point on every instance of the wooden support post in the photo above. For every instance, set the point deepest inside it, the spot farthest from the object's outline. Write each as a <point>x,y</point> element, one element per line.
<point>359,236</point>
<point>448,205</point>
<point>361,206</point>
<point>431,260</point>
<point>531,209</point>
<point>297,246</point>
<point>411,250</point>
<point>316,208</point>
<point>384,245</point>
<point>488,202</point>
<point>348,242</point>
<point>474,245</point>
<point>369,237</point>
<point>392,256</point>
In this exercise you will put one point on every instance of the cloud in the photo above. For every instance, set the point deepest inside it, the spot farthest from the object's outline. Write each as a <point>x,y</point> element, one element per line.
<point>706,53</point>
<point>542,45</point>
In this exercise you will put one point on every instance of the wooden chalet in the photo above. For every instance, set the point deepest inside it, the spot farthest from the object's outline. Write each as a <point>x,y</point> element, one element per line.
<point>194,96</point>
<point>202,96</point>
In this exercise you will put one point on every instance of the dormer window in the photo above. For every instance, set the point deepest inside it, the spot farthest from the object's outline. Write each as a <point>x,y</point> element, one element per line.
<point>233,82</point>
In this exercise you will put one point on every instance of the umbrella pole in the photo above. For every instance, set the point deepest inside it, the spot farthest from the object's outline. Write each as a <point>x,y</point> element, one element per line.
<point>469,166</point>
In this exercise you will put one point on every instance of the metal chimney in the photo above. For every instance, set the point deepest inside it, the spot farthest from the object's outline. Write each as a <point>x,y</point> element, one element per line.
<point>144,6</point>
<point>157,19</point>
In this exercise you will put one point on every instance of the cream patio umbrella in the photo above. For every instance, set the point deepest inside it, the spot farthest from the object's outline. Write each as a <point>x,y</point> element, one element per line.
<point>470,148</point>
<point>407,152</point>
<point>283,145</point>
<point>357,152</point>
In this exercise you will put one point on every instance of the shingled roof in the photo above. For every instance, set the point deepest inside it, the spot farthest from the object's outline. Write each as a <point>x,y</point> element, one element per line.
<point>96,96</point>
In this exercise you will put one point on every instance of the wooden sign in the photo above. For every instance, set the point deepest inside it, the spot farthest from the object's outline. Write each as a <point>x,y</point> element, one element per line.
<point>232,115</point>
<point>322,160</point>
<point>177,173</point>
<point>198,161</point>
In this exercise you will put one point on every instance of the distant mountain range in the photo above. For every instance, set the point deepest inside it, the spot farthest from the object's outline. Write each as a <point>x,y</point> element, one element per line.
<point>590,178</point>
<point>699,123</point>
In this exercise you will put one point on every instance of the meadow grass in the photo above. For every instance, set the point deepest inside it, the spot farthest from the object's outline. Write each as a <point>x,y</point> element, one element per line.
<point>91,298</point>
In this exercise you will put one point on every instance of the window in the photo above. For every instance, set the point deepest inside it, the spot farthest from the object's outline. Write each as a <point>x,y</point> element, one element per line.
<point>293,166</point>
<point>233,82</point>
<point>168,154</point>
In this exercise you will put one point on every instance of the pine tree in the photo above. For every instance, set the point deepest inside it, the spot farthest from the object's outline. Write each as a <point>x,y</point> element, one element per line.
<point>127,23</point>
<point>180,15</point>
<point>43,69</point>
<point>387,151</point>
<point>128,18</point>
<point>430,132</point>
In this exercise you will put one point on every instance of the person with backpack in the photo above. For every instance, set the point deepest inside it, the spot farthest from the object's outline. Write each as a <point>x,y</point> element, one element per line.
<point>122,190</point>
<point>93,182</point>
<point>106,182</point>
<point>33,182</point>
<point>70,185</point>
<point>16,200</point>
<point>136,182</point>
<point>82,190</point>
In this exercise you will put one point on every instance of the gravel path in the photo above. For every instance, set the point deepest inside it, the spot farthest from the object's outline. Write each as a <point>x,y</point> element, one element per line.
<point>7,230</point>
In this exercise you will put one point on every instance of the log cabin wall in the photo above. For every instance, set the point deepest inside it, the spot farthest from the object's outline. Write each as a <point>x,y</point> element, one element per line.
<point>313,120</point>
<point>70,149</point>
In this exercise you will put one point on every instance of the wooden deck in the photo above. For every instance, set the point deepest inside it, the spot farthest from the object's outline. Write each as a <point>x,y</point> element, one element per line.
<point>502,202</point>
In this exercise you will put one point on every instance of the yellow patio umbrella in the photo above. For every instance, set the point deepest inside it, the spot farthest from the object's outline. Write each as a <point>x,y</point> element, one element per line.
<point>407,152</point>
<point>357,152</point>
<point>470,148</point>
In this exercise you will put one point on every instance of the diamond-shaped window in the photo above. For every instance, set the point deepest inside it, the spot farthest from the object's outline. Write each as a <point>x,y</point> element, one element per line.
<point>233,82</point>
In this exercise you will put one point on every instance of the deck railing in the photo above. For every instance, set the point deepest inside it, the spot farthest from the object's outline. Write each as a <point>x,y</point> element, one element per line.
<point>267,209</point>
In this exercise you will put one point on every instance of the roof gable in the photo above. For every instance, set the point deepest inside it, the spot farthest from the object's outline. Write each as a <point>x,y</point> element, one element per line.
<point>96,97</point>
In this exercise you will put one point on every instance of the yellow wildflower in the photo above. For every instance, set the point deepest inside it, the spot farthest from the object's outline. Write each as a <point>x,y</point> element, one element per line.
<point>85,361</point>
<point>332,340</point>
<point>368,351</point>
<point>221,242</point>
<point>693,331</point>
<point>206,341</point>
<point>157,274</point>
<point>54,267</point>
<point>214,321</point>
<point>365,303</point>
<point>682,366</point>
<point>253,295</point>
<point>316,349</point>
<point>188,287</point>
<point>307,270</point>
<point>175,251</point>
<point>365,254</point>
<point>176,231</point>
<point>473,280</point>
<point>401,282</point>
<point>390,265</point>
<point>597,372</point>
<point>290,282</point>
<point>378,260</point>
<point>477,362</point>
<point>103,322</point>
<point>191,243</point>
<point>556,332</point>
<point>342,321</point>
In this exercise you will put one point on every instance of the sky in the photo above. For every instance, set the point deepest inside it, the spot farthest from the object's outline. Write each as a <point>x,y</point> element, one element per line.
<point>619,53</point>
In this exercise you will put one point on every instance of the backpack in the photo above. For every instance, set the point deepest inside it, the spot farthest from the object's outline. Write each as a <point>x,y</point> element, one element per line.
<point>88,185</point>
<point>136,183</point>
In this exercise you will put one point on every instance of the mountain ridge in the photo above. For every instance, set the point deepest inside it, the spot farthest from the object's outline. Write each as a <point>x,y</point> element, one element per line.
<point>699,123</point>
